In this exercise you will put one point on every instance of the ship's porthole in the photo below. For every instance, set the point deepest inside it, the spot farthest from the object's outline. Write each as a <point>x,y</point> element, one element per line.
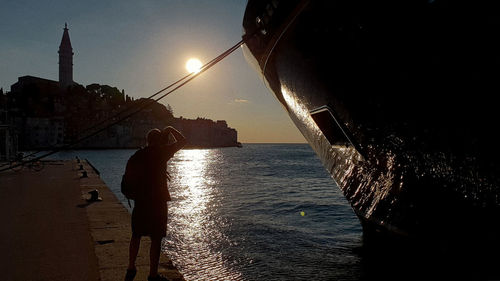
<point>329,126</point>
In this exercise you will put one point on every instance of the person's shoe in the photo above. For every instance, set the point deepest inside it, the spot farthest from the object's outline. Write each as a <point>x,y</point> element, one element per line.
<point>157,278</point>
<point>130,274</point>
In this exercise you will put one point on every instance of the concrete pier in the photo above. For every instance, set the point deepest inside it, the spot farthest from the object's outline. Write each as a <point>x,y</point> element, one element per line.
<point>51,232</point>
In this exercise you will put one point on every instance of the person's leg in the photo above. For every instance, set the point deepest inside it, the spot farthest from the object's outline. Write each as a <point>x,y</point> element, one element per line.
<point>154,256</point>
<point>135,243</point>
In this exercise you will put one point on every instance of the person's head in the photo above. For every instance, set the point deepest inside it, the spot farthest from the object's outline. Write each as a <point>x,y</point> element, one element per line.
<point>154,137</point>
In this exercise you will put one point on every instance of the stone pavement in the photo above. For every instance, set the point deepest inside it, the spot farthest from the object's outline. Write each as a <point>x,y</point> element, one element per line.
<point>51,232</point>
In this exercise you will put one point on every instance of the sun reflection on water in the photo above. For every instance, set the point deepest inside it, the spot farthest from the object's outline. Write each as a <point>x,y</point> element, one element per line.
<point>191,175</point>
<point>194,228</point>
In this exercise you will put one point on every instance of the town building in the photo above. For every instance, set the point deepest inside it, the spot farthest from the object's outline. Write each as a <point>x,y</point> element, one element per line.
<point>42,129</point>
<point>65,60</point>
<point>8,136</point>
<point>65,70</point>
<point>49,114</point>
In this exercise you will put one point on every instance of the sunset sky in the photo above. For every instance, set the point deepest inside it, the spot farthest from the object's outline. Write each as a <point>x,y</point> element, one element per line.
<point>141,47</point>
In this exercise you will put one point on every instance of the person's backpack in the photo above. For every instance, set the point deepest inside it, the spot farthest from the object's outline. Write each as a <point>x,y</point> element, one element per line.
<point>133,177</point>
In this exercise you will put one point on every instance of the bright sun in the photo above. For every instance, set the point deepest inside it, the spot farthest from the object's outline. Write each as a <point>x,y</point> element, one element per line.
<point>193,65</point>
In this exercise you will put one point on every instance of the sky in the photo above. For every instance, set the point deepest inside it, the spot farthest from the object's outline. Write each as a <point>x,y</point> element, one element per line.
<point>141,47</point>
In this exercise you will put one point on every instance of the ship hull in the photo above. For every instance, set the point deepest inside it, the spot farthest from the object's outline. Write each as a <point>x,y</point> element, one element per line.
<point>398,101</point>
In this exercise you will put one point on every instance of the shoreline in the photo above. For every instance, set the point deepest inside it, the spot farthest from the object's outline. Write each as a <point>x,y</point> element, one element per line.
<point>186,147</point>
<point>109,224</point>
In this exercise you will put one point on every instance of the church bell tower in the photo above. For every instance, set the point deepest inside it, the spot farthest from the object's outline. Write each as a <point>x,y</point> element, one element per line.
<point>65,60</point>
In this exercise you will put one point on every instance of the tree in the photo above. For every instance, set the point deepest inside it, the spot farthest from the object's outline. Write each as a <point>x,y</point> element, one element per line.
<point>94,89</point>
<point>110,95</point>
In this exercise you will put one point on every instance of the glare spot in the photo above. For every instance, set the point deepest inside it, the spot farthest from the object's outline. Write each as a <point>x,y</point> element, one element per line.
<point>193,65</point>
<point>241,101</point>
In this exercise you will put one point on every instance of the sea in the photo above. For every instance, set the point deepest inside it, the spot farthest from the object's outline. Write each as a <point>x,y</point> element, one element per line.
<point>259,212</point>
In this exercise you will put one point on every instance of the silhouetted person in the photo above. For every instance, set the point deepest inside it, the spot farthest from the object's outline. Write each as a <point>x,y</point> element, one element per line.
<point>149,216</point>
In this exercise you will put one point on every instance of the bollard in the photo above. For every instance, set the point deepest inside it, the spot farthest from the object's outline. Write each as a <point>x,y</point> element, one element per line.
<point>94,195</point>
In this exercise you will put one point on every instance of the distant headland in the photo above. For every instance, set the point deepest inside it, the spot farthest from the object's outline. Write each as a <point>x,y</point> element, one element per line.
<point>39,113</point>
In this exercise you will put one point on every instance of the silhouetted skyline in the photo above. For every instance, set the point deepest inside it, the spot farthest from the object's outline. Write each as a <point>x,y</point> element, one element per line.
<point>142,46</point>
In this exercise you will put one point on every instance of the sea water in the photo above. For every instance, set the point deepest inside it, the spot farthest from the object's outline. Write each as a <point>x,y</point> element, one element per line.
<point>260,212</point>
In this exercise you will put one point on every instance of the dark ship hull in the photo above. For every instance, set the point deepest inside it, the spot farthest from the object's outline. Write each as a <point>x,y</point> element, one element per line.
<point>398,99</point>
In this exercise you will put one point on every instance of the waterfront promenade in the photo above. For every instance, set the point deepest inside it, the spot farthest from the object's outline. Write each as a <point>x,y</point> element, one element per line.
<point>51,232</point>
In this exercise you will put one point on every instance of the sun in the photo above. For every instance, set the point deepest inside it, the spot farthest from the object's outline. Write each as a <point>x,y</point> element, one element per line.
<point>193,65</point>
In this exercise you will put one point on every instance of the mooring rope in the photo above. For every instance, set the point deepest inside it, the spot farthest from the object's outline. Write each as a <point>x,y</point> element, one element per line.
<point>141,106</point>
